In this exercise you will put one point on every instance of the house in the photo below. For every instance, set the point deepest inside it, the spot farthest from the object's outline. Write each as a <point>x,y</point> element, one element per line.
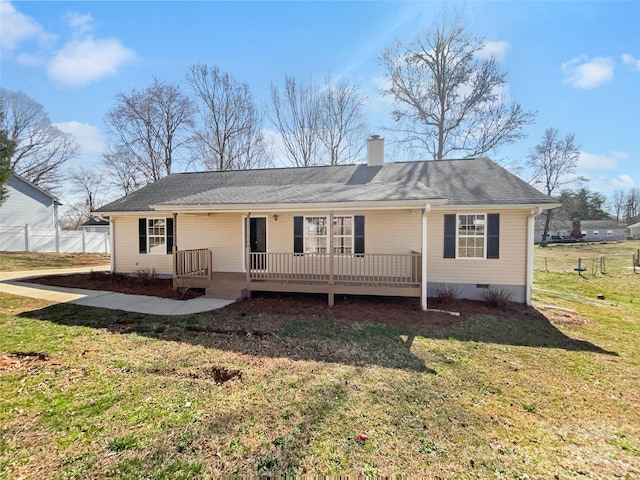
<point>634,231</point>
<point>95,225</point>
<point>591,230</point>
<point>378,228</point>
<point>28,204</point>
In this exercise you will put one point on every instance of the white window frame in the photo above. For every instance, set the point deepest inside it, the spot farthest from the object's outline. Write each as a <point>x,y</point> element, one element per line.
<point>348,250</point>
<point>149,226</point>
<point>596,233</point>
<point>483,236</point>
<point>309,239</point>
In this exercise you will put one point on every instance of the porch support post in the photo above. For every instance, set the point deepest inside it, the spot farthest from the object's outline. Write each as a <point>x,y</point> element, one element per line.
<point>247,246</point>
<point>423,257</point>
<point>174,250</point>
<point>531,220</point>
<point>331,257</point>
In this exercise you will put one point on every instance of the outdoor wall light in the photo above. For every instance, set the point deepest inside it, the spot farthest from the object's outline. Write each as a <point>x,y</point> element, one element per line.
<point>275,218</point>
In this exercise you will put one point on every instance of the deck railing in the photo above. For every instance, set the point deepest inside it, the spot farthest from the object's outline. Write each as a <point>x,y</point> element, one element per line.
<point>384,269</point>
<point>193,263</point>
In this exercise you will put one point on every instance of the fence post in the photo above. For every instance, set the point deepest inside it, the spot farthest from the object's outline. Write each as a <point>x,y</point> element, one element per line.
<point>26,237</point>
<point>57,240</point>
<point>84,241</point>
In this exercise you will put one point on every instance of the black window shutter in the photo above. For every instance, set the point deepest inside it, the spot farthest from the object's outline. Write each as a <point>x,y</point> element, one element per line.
<point>493,235</point>
<point>449,236</point>
<point>298,235</point>
<point>142,235</point>
<point>169,230</point>
<point>358,234</point>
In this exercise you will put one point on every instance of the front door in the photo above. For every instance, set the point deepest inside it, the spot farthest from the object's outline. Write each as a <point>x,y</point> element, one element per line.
<point>258,242</point>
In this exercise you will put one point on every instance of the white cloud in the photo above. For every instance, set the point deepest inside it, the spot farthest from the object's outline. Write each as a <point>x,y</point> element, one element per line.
<point>631,61</point>
<point>597,161</point>
<point>18,27</point>
<point>497,49</point>
<point>89,138</point>
<point>31,59</point>
<point>583,73</point>
<point>81,22</point>
<point>606,185</point>
<point>623,181</point>
<point>84,61</point>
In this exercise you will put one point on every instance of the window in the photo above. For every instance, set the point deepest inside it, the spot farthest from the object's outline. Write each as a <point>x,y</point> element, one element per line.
<point>315,235</point>
<point>311,234</point>
<point>343,235</point>
<point>471,236</point>
<point>155,235</point>
<point>596,233</point>
<point>609,233</point>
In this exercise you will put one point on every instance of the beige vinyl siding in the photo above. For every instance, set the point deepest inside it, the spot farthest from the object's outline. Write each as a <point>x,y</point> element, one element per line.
<point>509,269</point>
<point>128,258</point>
<point>222,233</point>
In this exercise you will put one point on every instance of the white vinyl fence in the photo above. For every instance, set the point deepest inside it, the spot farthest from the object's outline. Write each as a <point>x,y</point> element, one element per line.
<point>26,239</point>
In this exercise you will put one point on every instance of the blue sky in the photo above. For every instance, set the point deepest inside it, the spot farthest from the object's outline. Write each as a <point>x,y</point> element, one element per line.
<point>576,63</point>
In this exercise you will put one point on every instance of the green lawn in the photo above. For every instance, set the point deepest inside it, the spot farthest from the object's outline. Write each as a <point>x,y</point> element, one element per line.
<point>123,395</point>
<point>15,261</point>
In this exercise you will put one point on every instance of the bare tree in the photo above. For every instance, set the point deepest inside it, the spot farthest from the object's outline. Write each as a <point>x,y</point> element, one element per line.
<point>296,115</point>
<point>618,203</point>
<point>632,206</point>
<point>89,184</point>
<point>229,136</point>
<point>121,172</point>
<point>73,216</point>
<point>449,101</point>
<point>150,126</point>
<point>553,165</point>
<point>41,149</point>
<point>342,129</point>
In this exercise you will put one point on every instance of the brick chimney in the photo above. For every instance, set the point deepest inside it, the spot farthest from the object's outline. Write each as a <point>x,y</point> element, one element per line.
<point>375,151</point>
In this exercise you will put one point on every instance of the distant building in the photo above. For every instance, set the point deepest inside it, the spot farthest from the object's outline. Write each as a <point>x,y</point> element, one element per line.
<point>634,231</point>
<point>94,225</point>
<point>591,230</point>
<point>28,204</point>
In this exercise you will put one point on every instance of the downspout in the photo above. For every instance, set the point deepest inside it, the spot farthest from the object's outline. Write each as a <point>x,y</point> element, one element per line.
<point>112,243</point>
<point>530,246</point>
<point>424,290</point>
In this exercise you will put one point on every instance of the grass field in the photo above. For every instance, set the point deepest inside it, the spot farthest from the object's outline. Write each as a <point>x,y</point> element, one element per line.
<point>16,261</point>
<point>119,395</point>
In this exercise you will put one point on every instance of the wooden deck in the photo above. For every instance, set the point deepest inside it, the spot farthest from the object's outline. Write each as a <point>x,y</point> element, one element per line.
<point>366,274</point>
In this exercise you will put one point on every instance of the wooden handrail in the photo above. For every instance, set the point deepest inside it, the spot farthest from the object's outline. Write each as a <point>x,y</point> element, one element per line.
<point>362,269</point>
<point>193,263</point>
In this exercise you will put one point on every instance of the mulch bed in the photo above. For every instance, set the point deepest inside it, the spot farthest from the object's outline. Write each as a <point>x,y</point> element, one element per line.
<point>118,282</point>
<point>375,309</point>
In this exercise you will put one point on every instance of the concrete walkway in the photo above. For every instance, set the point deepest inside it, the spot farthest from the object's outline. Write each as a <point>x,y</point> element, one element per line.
<point>10,283</point>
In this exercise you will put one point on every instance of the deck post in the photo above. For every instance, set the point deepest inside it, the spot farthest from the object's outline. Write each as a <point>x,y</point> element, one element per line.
<point>331,257</point>
<point>424,283</point>
<point>174,250</point>
<point>247,246</point>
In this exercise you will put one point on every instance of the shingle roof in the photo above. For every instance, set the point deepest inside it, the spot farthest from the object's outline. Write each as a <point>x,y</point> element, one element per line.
<point>460,182</point>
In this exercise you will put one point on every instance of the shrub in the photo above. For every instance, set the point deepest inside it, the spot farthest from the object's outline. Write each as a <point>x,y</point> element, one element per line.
<point>497,297</point>
<point>447,294</point>
<point>146,275</point>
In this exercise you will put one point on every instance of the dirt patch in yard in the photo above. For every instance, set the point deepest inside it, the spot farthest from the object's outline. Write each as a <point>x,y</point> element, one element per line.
<point>118,282</point>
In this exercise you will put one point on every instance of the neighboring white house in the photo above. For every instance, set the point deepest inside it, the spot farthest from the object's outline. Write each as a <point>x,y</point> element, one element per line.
<point>94,225</point>
<point>402,229</point>
<point>634,231</point>
<point>28,204</point>
<point>591,230</point>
